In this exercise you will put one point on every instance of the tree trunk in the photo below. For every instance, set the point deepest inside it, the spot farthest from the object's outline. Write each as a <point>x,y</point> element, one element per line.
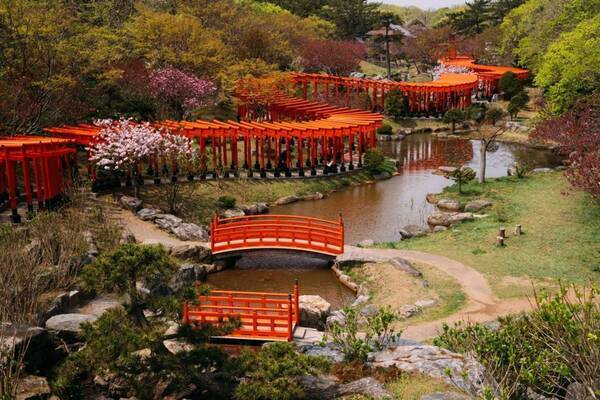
<point>387,53</point>
<point>482,161</point>
<point>453,127</point>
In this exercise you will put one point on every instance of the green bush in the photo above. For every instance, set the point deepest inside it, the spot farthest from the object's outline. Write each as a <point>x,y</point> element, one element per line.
<point>272,374</point>
<point>461,176</point>
<point>374,161</point>
<point>385,129</point>
<point>226,202</point>
<point>509,85</point>
<point>546,350</point>
<point>396,104</point>
<point>454,117</point>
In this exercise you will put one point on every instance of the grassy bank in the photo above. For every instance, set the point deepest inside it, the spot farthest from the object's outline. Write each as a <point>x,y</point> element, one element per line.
<point>561,237</point>
<point>198,200</point>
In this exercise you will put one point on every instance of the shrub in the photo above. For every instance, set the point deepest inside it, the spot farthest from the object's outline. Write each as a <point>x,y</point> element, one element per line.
<point>273,373</point>
<point>546,350</point>
<point>509,85</point>
<point>493,115</point>
<point>462,175</point>
<point>521,170</point>
<point>374,161</point>
<point>225,202</point>
<point>386,129</point>
<point>396,104</point>
<point>454,117</point>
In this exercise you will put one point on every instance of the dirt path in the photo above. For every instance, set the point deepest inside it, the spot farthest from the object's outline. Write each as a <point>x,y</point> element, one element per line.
<point>481,305</point>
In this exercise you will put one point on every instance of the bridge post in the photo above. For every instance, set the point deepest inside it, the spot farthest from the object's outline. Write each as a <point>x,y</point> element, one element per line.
<point>341,220</point>
<point>186,313</point>
<point>297,302</point>
<point>289,318</point>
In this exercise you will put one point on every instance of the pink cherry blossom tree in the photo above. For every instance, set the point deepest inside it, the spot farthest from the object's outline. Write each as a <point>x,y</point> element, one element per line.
<point>180,91</point>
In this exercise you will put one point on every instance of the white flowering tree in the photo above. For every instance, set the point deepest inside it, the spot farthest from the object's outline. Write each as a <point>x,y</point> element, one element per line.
<point>441,69</point>
<point>124,145</point>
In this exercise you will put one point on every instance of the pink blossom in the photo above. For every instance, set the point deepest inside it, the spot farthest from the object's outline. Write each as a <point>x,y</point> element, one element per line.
<point>179,88</point>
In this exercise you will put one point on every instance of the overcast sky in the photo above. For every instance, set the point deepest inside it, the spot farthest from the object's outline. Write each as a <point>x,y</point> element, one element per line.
<point>425,4</point>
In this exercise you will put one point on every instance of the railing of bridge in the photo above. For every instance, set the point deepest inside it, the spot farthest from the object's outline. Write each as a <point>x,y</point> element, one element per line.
<point>277,232</point>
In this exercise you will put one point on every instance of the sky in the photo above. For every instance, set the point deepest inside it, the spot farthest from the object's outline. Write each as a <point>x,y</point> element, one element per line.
<point>425,4</point>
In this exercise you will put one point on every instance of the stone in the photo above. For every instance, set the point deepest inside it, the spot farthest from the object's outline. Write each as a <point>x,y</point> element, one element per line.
<point>232,213</point>
<point>168,222</point>
<point>286,200</point>
<point>322,387</point>
<point>132,204</point>
<point>431,198</point>
<point>127,237</point>
<point>142,354</point>
<point>440,228</point>
<point>32,387</point>
<point>314,311</point>
<point>328,351</point>
<point>369,387</point>
<point>448,205</point>
<point>148,214</point>
<point>263,208</point>
<point>425,303</point>
<point>369,310</point>
<point>313,197</point>
<point>541,170</point>
<point>382,176</point>
<point>74,298</point>
<point>193,232</point>
<point>336,317</point>
<point>406,266</point>
<point>251,209</point>
<point>477,205</point>
<point>362,299</point>
<point>446,170</point>
<point>577,391</point>
<point>175,346</point>
<point>366,243</point>
<point>185,251</point>
<point>462,371</point>
<point>447,219</point>
<point>185,276</point>
<point>410,231</point>
<point>70,323</point>
<point>325,387</point>
<point>444,396</point>
<point>408,311</point>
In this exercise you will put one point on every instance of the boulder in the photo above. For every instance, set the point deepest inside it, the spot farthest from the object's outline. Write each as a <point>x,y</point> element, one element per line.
<point>263,208</point>
<point>251,209</point>
<point>175,346</point>
<point>369,387</point>
<point>130,203</point>
<point>362,299</point>
<point>286,200</point>
<point>315,196</point>
<point>445,396</point>
<point>32,387</point>
<point>425,303</point>
<point>336,317</point>
<point>477,205</point>
<point>406,266</point>
<point>459,370</point>
<point>148,214</point>
<point>541,170</point>
<point>328,351</point>
<point>193,232</point>
<point>446,170</point>
<point>448,205</point>
<point>447,219</point>
<point>314,311</point>
<point>369,310</point>
<point>185,250</point>
<point>70,323</point>
<point>408,310</point>
<point>168,222</point>
<point>366,243</point>
<point>432,198</point>
<point>326,387</point>
<point>382,176</point>
<point>440,228</point>
<point>410,231</point>
<point>184,277</point>
<point>232,213</point>
<point>127,237</point>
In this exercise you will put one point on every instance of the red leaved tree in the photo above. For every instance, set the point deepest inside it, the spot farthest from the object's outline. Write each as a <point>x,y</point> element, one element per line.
<point>334,57</point>
<point>577,135</point>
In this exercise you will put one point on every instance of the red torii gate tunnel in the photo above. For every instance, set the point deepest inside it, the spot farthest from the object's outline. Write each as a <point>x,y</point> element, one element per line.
<point>286,232</point>
<point>262,315</point>
<point>45,171</point>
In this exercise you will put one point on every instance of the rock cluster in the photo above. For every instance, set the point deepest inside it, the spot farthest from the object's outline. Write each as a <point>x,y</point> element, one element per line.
<point>314,311</point>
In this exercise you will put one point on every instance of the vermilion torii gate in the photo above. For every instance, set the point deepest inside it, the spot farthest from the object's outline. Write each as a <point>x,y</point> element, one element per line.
<point>36,166</point>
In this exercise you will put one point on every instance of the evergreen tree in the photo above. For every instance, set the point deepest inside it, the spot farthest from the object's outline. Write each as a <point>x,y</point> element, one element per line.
<point>474,19</point>
<point>353,18</point>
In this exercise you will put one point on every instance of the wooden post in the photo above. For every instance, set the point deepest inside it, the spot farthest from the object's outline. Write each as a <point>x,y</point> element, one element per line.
<point>297,302</point>
<point>500,241</point>
<point>502,233</point>
<point>186,313</point>
<point>518,230</point>
<point>289,319</point>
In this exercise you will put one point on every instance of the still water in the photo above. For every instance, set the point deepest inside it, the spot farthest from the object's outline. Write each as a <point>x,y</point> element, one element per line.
<point>377,211</point>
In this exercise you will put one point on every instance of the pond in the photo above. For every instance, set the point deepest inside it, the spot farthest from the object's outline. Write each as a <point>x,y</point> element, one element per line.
<point>377,211</point>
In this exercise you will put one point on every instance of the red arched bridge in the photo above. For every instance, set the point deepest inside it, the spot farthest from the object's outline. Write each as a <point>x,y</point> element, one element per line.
<point>261,315</point>
<point>286,232</point>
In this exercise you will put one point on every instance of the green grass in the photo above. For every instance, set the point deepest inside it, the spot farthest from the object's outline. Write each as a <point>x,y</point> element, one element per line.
<point>561,238</point>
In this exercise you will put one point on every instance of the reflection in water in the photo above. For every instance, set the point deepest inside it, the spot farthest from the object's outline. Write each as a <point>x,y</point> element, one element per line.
<point>316,281</point>
<point>377,211</point>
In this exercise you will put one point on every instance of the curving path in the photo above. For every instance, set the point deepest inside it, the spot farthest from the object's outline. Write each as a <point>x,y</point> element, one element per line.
<point>481,305</point>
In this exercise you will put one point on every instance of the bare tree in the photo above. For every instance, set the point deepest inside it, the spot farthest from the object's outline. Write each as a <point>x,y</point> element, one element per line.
<point>488,141</point>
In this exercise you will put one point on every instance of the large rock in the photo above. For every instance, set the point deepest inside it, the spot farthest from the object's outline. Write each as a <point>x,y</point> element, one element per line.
<point>314,196</point>
<point>184,277</point>
<point>191,232</point>
<point>432,198</point>
<point>314,311</point>
<point>327,387</point>
<point>232,213</point>
<point>477,205</point>
<point>148,214</point>
<point>175,346</point>
<point>447,219</point>
<point>445,396</point>
<point>127,237</point>
<point>70,323</point>
<point>168,222</point>
<point>382,176</point>
<point>286,200</point>
<point>131,203</point>
<point>337,317</point>
<point>369,387</point>
<point>328,351</point>
<point>410,231</point>
<point>406,266</point>
<point>448,205</point>
<point>461,371</point>
<point>446,170</point>
<point>185,250</point>
<point>32,387</point>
